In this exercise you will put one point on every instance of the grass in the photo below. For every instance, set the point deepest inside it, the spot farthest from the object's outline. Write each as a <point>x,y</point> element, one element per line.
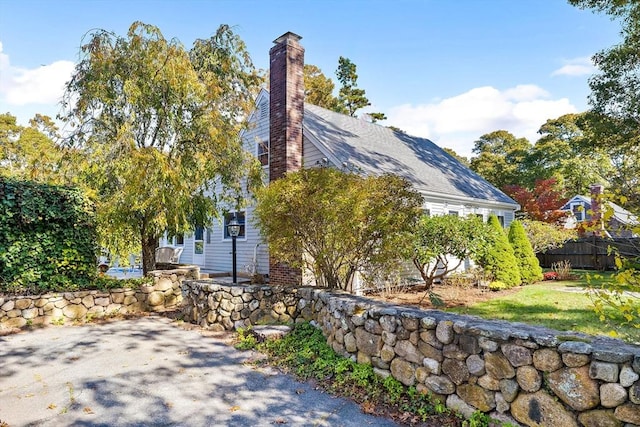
<point>560,305</point>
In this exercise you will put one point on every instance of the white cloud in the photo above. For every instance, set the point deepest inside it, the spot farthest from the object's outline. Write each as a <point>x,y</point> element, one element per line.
<point>41,85</point>
<point>457,122</point>
<point>576,67</point>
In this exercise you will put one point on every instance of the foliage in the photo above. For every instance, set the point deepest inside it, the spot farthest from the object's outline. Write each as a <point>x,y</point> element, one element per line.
<point>305,352</point>
<point>499,261</point>
<point>568,152</point>
<point>540,204</point>
<point>544,237</point>
<point>47,238</point>
<point>30,153</point>
<point>335,223</point>
<point>528,264</point>
<point>155,125</point>
<point>458,157</point>
<point>500,157</point>
<point>442,243</point>
<point>318,89</point>
<point>562,270</point>
<point>351,97</point>
<point>497,285</point>
<point>550,275</point>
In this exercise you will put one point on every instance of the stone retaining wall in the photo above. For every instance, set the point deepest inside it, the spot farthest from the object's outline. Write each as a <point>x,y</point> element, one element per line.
<point>534,375</point>
<point>164,294</point>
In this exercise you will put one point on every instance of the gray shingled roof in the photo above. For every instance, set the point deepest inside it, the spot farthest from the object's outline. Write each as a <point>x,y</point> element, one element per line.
<point>377,149</point>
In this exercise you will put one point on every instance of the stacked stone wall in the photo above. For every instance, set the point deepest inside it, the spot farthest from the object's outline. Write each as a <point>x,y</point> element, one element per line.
<point>519,373</point>
<point>17,311</point>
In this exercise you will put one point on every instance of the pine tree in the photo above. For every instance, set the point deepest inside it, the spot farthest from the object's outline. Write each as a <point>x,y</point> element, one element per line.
<point>500,260</point>
<point>528,264</point>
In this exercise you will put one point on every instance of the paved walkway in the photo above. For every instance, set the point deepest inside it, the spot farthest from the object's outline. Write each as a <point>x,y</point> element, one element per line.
<point>150,372</point>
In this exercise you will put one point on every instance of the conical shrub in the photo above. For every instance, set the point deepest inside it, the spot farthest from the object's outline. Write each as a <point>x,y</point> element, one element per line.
<point>528,264</point>
<point>500,261</point>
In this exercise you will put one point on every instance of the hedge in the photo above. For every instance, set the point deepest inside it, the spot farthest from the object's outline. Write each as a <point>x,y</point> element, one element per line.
<point>47,238</point>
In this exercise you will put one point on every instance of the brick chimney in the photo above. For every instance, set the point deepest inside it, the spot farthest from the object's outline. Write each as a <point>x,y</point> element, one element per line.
<point>286,105</point>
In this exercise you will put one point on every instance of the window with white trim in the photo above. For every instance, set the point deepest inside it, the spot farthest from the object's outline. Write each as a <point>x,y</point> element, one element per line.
<point>263,152</point>
<point>578,211</point>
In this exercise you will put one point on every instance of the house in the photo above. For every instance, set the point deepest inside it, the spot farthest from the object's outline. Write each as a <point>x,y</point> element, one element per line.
<point>286,134</point>
<point>587,212</point>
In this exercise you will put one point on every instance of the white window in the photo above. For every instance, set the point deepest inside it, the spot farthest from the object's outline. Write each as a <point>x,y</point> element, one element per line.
<point>263,152</point>
<point>453,213</point>
<point>241,219</point>
<point>178,240</point>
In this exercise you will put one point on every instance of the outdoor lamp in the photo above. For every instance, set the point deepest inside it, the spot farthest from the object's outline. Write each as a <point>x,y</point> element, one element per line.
<point>234,230</point>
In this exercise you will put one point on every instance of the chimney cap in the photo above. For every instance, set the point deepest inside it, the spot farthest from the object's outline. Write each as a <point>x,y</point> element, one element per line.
<point>287,36</point>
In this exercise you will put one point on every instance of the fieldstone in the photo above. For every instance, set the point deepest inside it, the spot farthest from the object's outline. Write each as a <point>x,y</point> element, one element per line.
<point>469,344</point>
<point>476,396</point>
<point>578,347</point>
<point>88,301</point>
<point>368,343</point>
<point>350,343</point>
<point>130,299</point>
<point>452,351</point>
<point>428,322</point>
<point>456,404</point>
<point>634,393</point>
<point>613,356</point>
<point>102,301</point>
<point>430,338</point>
<point>388,323</point>
<point>403,371</point>
<point>440,384</point>
<point>410,323</point>
<point>75,311</point>
<point>431,365</point>
<point>517,355</point>
<point>21,304</point>
<point>612,395</point>
<point>254,305</point>
<point>444,331</point>
<point>509,389</point>
<point>62,303</point>
<point>372,326</point>
<point>384,373</point>
<point>541,410</point>
<point>387,353</point>
<point>421,374</point>
<point>155,299</point>
<point>408,351</point>
<point>358,319</point>
<point>529,379</point>
<point>628,376</point>
<point>604,371</point>
<point>389,338</point>
<point>279,307</point>
<point>339,336</point>
<point>488,382</point>
<point>456,370</point>
<point>636,364</point>
<point>502,405</point>
<point>547,360</point>
<point>599,418</point>
<point>574,360</point>
<point>575,387</point>
<point>430,351</point>
<point>41,302</point>
<point>475,365</point>
<point>117,297</point>
<point>497,365</point>
<point>163,284</point>
<point>30,313</point>
<point>15,322</point>
<point>487,345</point>
<point>628,413</point>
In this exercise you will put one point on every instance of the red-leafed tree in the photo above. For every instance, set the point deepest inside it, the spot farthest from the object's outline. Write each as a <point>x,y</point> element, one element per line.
<point>540,204</point>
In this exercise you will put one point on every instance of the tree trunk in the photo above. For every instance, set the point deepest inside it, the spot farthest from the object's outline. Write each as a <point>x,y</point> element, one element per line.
<point>149,245</point>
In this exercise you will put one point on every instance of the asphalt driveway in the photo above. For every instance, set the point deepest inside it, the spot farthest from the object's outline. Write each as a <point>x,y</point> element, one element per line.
<point>150,372</point>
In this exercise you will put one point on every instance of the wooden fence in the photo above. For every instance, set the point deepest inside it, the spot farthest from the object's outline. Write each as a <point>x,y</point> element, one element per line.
<point>592,253</point>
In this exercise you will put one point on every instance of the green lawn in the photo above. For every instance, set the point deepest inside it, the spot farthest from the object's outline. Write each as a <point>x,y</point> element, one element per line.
<point>561,305</point>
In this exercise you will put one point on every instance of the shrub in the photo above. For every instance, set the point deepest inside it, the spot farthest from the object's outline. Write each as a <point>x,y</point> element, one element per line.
<point>497,285</point>
<point>562,269</point>
<point>528,264</point>
<point>500,261</point>
<point>550,275</point>
<point>47,238</point>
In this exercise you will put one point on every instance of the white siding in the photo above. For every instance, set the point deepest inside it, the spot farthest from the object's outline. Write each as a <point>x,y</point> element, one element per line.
<point>312,157</point>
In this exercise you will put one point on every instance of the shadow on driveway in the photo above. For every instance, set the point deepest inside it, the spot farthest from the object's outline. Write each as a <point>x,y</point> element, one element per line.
<point>148,371</point>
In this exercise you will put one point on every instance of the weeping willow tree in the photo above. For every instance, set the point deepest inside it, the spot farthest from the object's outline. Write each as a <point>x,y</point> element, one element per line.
<point>155,126</point>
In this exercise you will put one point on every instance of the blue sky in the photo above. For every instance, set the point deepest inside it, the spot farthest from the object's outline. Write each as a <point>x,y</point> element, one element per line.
<point>448,70</point>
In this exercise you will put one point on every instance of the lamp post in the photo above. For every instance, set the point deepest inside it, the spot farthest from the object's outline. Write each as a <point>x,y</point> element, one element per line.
<point>234,230</point>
